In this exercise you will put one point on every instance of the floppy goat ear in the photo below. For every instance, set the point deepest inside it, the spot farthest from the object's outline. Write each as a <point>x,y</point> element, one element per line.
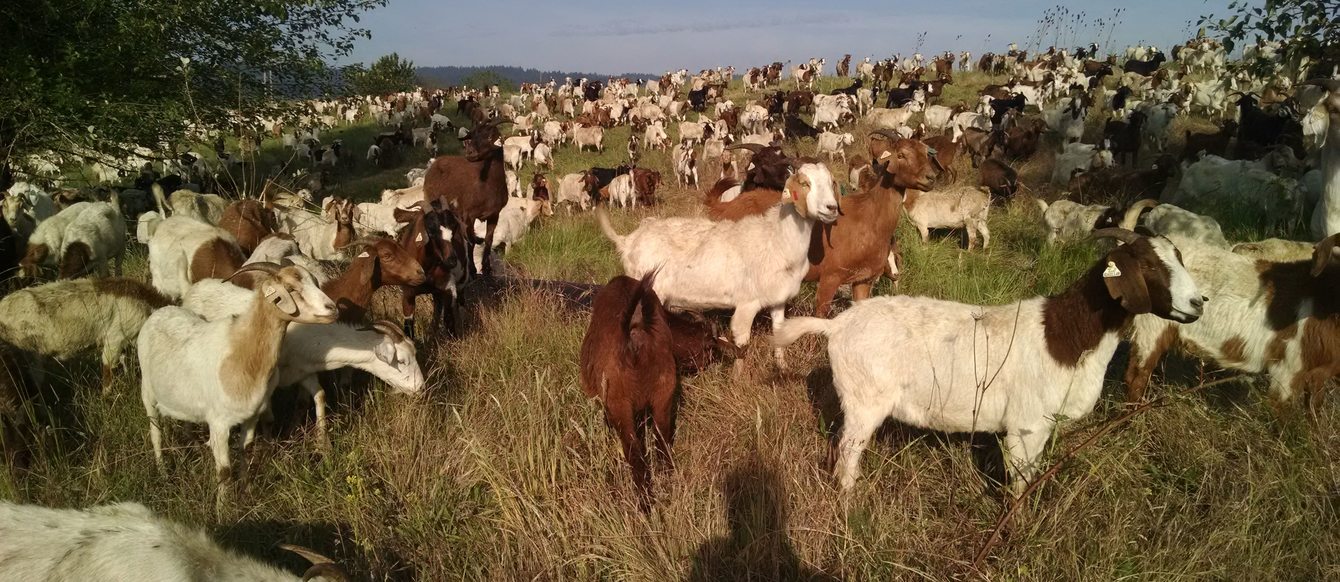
<point>1126,283</point>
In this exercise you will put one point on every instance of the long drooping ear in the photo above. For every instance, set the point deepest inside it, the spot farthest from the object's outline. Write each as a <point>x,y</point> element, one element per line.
<point>797,191</point>
<point>1323,253</point>
<point>1126,282</point>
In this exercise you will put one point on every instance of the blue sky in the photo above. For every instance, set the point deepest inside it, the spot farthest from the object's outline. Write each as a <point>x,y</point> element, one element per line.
<point>633,36</point>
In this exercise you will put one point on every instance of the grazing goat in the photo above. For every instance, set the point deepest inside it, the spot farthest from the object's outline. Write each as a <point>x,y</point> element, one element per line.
<point>1013,368</point>
<point>1263,316</point>
<point>126,541</point>
<point>222,373</point>
<point>1198,144</point>
<point>381,349</point>
<point>249,221</point>
<point>754,263</point>
<point>627,361</point>
<point>998,177</point>
<point>67,319</point>
<point>963,207</point>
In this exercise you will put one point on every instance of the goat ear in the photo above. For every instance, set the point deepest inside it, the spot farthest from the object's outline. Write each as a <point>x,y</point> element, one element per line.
<point>385,351</point>
<point>282,298</point>
<point>1126,283</point>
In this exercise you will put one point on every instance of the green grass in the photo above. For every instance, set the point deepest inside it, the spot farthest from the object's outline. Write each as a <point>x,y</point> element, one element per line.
<point>505,471</point>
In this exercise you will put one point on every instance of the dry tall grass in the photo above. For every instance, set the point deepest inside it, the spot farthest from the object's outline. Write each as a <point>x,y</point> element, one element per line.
<point>504,471</point>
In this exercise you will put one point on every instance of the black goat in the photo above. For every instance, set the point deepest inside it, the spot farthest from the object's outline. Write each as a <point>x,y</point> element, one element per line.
<point>1145,68</point>
<point>1000,106</point>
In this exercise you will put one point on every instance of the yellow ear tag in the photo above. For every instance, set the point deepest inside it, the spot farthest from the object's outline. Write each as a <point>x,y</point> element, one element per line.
<point>363,255</point>
<point>1111,272</point>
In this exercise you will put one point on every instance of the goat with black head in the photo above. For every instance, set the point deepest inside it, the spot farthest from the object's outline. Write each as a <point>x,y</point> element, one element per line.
<point>472,186</point>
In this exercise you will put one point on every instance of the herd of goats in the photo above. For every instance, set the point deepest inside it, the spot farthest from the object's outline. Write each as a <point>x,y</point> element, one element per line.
<point>248,294</point>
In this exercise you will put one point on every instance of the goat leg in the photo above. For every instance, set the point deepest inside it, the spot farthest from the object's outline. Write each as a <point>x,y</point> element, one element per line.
<point>488,245</point>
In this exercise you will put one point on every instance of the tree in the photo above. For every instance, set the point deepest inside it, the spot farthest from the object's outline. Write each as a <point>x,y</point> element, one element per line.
<point>390,74</point>
<point>484,78</point>
<point>93,78</point>
<point>1305,28</point>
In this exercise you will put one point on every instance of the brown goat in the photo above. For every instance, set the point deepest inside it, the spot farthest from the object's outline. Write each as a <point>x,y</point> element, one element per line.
<point>946,151</point>
<point>1120,187</point>
<point>980,143</point>
<point>250,222</point>
<point>440,259</point>
<point>857,248</point>
<point>644,183</point>
<point>380,262</point>
<point>628,363</point>
<point>472,186</point>
<point>1211,143</point>
<point>999,178</point>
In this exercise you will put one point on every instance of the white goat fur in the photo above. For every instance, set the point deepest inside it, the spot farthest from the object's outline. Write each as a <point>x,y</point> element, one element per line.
<point>312,348</point>
<point>222,373</point>
<point>963,207</point>
<point>172,249</point>
<point>962,368</point>
<point>124,541</point>
<point>747,265</point>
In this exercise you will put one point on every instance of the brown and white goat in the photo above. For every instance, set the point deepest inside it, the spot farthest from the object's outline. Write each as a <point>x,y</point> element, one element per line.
<point>628,363</point>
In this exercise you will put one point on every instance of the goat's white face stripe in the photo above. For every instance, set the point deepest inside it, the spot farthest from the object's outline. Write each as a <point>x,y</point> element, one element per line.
<point>1180,284</point>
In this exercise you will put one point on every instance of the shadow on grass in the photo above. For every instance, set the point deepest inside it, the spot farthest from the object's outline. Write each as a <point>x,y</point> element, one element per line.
<point>757,547</point>
<point>827,406</point>
<point>261,539</point>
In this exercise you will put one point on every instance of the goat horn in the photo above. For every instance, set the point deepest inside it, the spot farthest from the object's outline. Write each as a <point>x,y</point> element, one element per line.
<point>387,328</point>
<point>264,267</point>
<point>1322,253</point>
<point>321,565</point>
<point>1120,234</point>
<point>1132,216</point>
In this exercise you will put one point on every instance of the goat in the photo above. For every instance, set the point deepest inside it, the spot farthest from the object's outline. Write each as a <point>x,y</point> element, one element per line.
<point>1170,220</point>
<point>513,222</point>
<point>686,165</point>
<point>222,373</point>
<point>184,250</point>
<point>999,178</point>
<point>437,239</point>
<point>962,207</point>
<point>627,361</point>
<point>1215,143</point>
<point>66,319</point>
<point>472,186</point>
<point>307,349</point>
<point>1012,368</point>
<point>320,237</point>
<point>576,188</point>
<point>1276,318</point>
<point>1078,158</point>
<point>207,208</point>
<point>25,206</point>
<point>832,144</point>
<point>249,221</point>
<point>857,249</point>
<point>126,541</point>
<point>756,262</point>
<point>1124,137</point>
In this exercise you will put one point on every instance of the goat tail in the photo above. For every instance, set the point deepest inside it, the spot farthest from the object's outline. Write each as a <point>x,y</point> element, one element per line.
<point>159,199</point>
<point>603,219</point>
<point>797,327</point>
<point>1132,217</point>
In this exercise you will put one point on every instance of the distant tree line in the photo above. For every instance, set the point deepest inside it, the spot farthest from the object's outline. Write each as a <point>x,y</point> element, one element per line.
<point>506,77</point>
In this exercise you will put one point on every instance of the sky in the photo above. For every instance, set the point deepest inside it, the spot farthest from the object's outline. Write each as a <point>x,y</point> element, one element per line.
<point>653,37</point>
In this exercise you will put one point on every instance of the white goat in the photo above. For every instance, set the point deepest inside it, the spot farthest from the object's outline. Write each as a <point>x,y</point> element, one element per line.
<point>686,165</point>
<point>183,246</point>
<point>25,207</point>
<point>572,188</point>
<point>833,144</point>
<point>1079,157</point>
<point>1014,368</point>
<point>222,373</point>
<point>126,541</point>
<point>513,222</point>
<point>963,207</point>
<point>747,265</point>
<point>381,350</point>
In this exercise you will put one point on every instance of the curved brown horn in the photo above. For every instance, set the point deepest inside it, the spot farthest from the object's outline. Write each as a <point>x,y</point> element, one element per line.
<point>1322,253</point>
<point>1120,234</point>
<point>888,133</point>
<point>388,329</point>
<point>753,147</point>
<point>327,571</point>
<point>268,268</point>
